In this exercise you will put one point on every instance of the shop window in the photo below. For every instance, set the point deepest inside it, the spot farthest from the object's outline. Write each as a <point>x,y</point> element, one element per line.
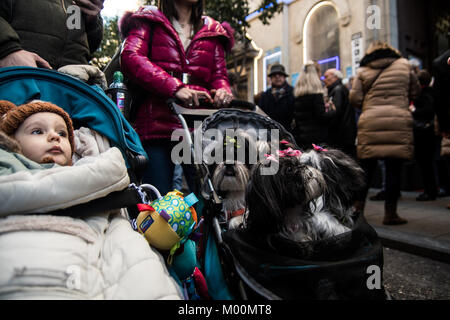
<point>322,33</point>
<point>271,58</point>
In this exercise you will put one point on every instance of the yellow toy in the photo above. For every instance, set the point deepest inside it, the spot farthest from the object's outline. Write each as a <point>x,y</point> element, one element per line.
<point>167,222</point>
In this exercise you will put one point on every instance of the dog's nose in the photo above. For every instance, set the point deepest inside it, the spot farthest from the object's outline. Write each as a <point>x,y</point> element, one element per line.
<point>229,170</point>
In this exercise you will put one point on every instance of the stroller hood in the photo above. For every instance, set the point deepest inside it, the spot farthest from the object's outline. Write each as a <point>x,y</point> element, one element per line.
<point>226,122</point>
<point>87,105</point>
<point>245,120</point>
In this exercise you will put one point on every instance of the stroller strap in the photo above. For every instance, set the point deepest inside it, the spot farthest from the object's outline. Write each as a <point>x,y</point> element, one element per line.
<point>129,197</point>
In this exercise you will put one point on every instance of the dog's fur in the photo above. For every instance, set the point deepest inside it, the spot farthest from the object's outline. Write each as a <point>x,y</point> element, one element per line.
<point>344,180</point>
<point>310,197</point>
<point>231,176</point>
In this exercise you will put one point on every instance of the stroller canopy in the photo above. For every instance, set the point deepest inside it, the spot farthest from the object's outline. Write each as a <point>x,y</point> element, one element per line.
<point>258,127</point>
<point>245,120</point>
<point>87,105</point>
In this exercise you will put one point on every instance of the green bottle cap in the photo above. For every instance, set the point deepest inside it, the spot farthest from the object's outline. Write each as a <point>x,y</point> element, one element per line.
<point>118,76</point>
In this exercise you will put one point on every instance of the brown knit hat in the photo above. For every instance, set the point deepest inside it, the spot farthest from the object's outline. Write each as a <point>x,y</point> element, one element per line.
<point>12,116</point>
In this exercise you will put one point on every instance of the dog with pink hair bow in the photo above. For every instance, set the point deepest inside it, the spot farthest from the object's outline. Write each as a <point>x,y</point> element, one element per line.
<point>310,198</point>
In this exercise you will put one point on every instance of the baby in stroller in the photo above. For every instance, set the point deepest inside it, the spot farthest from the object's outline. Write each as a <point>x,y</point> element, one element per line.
<point>47,255</point>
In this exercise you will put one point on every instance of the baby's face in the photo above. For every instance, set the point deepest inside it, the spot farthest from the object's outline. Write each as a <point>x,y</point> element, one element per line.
<point>43,137</point>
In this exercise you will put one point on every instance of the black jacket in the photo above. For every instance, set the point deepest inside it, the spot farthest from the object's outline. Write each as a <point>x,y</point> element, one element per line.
<point>342,130</point>
<point>441,72</point>
<point>424,106</point>
<point>40,26</point>
<point>311,121</point>
<point>281,109</point>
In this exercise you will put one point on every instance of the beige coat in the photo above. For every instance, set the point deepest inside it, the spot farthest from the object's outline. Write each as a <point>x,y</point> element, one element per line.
<point>383,89</point>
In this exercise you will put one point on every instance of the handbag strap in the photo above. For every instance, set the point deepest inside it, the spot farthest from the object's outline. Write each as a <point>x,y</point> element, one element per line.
<point>374,81</point>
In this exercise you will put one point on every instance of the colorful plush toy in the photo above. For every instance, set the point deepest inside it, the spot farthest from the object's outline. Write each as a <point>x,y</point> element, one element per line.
<point>167,222</point>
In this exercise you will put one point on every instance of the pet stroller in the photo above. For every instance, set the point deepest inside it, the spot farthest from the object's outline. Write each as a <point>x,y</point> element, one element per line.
<point>238,267</point>
<point>78,244</point>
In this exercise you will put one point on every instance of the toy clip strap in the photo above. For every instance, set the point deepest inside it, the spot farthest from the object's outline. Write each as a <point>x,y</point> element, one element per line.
<point>172,253</point>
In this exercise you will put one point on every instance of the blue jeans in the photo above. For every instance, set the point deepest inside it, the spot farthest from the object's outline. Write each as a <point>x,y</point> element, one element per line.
<point>177,182</point>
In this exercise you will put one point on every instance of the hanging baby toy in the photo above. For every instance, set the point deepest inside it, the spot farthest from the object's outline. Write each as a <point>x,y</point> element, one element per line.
<point>168,221</point>
<point>167,224</point>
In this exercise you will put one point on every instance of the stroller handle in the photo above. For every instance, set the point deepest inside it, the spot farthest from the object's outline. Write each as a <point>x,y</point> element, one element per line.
<point>177,106</point>
<point>201,169</point>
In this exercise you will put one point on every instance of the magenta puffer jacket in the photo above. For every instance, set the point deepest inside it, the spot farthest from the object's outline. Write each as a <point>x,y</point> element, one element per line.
<point>204,61</point>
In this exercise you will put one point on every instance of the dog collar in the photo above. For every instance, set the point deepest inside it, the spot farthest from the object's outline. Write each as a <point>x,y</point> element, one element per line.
<point>236,213</point>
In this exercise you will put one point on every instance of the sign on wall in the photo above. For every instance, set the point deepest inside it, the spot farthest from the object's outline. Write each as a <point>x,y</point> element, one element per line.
<point>357,50</point>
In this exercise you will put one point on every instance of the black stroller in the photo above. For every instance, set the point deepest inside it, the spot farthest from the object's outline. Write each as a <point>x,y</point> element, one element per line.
<point>348,266</point>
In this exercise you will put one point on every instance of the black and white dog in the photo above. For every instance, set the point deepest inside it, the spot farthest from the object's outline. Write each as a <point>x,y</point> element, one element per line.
<point>309,198</point>
<point>231,175</point>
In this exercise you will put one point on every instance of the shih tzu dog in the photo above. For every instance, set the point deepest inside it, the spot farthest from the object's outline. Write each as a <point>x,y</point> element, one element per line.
<point>310,197</point>
<point>230,176</point>
<point>344,180</point>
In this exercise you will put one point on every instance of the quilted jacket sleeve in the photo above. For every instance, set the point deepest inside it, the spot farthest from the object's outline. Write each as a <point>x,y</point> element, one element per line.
<point>220,73</point>
<point>94,31</point>
<point>139,69</point>
<point>356,93</point>
<point>9,40</point>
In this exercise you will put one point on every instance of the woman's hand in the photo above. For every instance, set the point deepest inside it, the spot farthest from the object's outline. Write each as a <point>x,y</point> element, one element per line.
<point>191,97</point>
<point>222,98</point>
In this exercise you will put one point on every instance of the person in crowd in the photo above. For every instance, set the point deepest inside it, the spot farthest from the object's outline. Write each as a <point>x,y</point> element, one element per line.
<point>318,69</point>
<point>278,101</point>
<point>444,167</point>
<point>415,65</point>
<point>424,140</point>
<point>342,130</point>
<point>383,88</point>
<point>441,72</point>
<point>311,117</point>
<point>173,51</point>
<point>442,163</point>
<point>37,33</point>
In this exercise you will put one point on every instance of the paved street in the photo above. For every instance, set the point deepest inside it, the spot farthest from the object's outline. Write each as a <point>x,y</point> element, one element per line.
<point>410,277</point>
<point>418,274</point>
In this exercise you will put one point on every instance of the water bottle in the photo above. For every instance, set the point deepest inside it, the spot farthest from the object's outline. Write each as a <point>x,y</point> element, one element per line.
<point>118,92</point>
